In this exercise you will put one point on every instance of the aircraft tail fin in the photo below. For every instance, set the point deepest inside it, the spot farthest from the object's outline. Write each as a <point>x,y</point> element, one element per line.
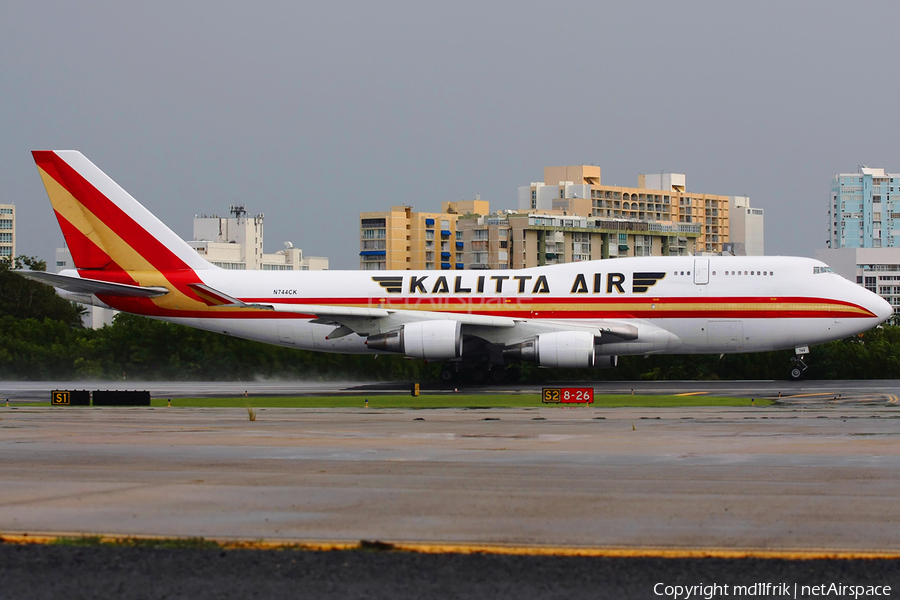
<point>105,228</point>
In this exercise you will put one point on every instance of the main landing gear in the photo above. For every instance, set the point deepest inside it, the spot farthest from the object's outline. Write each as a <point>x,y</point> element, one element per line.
<point>799,367</point>
<point>478,374</point>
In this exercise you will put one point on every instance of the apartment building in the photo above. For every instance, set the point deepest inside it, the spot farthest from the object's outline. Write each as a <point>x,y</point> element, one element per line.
<point>570,216</point>
<point>864,210</point>
<point>660,197</point>
<point>7,232</point>
<point>400,239</point>
<point>518,240</point>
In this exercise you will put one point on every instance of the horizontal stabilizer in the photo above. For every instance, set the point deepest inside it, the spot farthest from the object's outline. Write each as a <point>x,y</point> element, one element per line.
<point>81,285</point>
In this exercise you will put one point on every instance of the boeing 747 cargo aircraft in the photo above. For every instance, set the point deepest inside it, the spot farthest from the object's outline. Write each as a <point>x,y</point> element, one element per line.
<point>574,315</point>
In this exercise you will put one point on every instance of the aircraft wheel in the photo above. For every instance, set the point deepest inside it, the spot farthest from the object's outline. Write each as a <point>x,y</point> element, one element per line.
<point>448,374</point>
<point>796,373</point>
<point>498,375</point>
<point>479,375</point>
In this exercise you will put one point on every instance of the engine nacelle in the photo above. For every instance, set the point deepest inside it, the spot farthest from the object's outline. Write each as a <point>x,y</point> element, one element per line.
<point>431,340</point>
<point>565,350</point>
<point>606,361</point>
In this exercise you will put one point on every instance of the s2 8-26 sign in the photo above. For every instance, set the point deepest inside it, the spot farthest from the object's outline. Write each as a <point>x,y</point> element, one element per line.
<point>568,395</point>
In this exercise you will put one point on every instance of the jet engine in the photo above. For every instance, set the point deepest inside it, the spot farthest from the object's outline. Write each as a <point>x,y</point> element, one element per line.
<point>566,349</point>
<point>431,340</point>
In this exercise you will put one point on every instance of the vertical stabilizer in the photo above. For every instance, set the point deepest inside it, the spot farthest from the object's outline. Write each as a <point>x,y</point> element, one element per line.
<point>105,228</point>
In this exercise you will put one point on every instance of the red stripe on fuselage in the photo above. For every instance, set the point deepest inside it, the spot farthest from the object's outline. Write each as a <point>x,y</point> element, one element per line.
<point>145,307</point>
<point>520,309</point>
<point>522,304</point>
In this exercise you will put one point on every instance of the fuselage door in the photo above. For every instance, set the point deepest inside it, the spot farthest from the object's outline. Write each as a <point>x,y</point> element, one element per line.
<point>701,271</point>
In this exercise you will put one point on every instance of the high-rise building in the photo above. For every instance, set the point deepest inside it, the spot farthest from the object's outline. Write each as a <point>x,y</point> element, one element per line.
<point>236,242</point>
<point>570,216</point>
<point>746,227</point>
<point>518,240</point>
<point>7,232</point>
<point>400,239</point>
<point>864,211</point>
<point>660,197</point>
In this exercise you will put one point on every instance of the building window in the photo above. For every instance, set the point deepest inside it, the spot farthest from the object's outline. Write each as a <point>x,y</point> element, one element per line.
<point>374,245</point>
<point>581,246</point>
<point>643,245</point>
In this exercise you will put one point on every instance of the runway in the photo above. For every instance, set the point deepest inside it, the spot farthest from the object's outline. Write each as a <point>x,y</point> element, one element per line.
<point>798,392</point>
<point>773,478</point>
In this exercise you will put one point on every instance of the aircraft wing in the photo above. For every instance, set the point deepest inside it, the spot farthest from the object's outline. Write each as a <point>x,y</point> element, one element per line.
<point>81,285</point>
<point>370,321</point>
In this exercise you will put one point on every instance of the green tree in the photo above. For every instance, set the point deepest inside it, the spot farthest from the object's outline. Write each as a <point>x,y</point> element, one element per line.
<point>25,299</point>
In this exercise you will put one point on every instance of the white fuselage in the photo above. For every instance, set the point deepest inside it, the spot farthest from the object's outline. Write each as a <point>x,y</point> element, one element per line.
<point>681,305</point>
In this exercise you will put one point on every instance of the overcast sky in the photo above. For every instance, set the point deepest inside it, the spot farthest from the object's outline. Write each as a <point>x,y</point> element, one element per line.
<point>312,112</point>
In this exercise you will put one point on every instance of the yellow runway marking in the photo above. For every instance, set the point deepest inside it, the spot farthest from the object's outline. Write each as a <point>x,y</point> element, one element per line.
<point>435,548</point>
<point>692,394</point>
<point>892,399</point>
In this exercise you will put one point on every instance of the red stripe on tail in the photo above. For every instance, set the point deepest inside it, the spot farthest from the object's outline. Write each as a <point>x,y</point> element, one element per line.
<point>151,249</point>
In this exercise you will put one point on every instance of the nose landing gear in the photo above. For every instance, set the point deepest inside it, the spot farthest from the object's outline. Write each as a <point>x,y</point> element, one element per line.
<point>799,367</point>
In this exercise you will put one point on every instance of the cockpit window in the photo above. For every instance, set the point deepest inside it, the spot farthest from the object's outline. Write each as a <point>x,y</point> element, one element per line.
<point>817,270</point>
